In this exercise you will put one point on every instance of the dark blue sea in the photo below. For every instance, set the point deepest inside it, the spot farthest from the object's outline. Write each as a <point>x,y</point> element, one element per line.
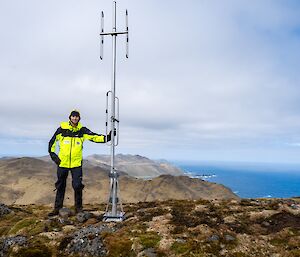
<point>249,180</point>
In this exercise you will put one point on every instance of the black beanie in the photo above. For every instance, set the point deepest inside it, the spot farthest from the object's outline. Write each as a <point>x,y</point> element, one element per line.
<point>74,113</point>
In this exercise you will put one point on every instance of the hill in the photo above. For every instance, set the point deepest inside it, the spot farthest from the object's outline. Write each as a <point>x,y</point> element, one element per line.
<point>31,181</point>
<point>136,165</point>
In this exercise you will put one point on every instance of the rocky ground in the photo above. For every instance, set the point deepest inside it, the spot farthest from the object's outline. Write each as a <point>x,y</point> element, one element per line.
<point>250,227</point>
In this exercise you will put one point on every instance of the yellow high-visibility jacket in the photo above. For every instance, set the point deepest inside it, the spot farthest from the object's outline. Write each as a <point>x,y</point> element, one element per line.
<point>70,143</point>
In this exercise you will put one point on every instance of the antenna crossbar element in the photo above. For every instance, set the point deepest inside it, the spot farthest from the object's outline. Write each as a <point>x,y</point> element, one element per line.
<point>114,210</point>
<point>113,33</point>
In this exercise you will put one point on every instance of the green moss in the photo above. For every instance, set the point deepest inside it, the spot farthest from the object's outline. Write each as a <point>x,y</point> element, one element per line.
<point>34,251</point>
<point>294,231</point>
<point>149,240</point>
<point>4,230</point>
<point>15,218</point>
<point>118,244</point>
<point>134,229</point>
<point>277,241</point>
<point>38,228</point>
<point>119,247</point>
<point>30,226</point>
<point>25,223</point>
<point>180,248</point>
<point>190,248</point>
<point>294,253</point>
<point>10,219</point>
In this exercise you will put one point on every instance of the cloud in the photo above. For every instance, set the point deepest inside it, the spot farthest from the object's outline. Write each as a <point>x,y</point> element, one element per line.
<point>223,75</point>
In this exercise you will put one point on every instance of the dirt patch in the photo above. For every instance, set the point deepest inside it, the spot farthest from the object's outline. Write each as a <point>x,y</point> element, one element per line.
<point>279,221</point>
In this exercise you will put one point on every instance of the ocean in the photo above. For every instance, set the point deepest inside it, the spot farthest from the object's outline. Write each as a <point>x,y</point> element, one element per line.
<point>249,180</point>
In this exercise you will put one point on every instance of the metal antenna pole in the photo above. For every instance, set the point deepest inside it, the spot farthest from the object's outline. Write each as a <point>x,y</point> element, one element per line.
<point>114,209</point>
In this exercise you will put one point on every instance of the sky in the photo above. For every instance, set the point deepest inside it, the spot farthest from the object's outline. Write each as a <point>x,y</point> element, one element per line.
<point>205,79</point>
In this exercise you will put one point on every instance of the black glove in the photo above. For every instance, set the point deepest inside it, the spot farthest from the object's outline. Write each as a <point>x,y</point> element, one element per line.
<point>55,158</point>
<point>108,137</point>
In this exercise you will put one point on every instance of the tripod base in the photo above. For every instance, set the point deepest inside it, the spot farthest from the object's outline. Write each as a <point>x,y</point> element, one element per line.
<point>109,217</point>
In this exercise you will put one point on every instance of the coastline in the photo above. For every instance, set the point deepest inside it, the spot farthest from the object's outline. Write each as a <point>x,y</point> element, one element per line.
<point>247,183</point>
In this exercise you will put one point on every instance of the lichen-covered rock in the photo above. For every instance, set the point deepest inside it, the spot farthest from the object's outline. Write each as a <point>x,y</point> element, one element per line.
<point>213,238</point>
<point>83,216</point>
<point>4,209</point>
<point>7,243</point>
<point>88,241</point>
<point>149,252</point>
<point>65,213</point>
<point>229,238</point>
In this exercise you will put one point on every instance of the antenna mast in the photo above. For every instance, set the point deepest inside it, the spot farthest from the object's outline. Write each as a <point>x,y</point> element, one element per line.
<point>114,210</point>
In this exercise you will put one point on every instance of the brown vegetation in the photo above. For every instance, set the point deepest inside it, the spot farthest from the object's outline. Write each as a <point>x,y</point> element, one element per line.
<point>251,227</point>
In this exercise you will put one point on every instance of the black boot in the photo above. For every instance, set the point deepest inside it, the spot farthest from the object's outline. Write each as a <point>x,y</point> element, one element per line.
<point>78,210</point>
<point>53,213</point>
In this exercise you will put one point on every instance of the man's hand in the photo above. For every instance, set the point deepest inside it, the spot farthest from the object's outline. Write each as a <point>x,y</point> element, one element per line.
<point>55,158</point>
<point>108,137</point>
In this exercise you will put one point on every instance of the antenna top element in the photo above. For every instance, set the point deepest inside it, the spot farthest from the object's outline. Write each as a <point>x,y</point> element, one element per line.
<point>114,31</point>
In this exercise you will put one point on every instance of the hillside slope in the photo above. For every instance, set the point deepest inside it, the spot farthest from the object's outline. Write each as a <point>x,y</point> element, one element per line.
<point>31,181</point>
<point>136,165</point>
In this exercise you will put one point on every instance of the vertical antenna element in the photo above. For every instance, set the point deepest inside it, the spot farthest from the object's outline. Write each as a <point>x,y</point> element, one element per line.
<point>127,36</point>
<point>114,16</point>
<point>114,210</point>
<point>101,36</point>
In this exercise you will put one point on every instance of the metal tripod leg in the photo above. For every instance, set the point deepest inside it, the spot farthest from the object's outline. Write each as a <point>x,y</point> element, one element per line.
<point>114,210</point>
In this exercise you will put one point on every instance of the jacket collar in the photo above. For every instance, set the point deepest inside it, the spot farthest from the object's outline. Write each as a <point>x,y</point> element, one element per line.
<point>67,125</point>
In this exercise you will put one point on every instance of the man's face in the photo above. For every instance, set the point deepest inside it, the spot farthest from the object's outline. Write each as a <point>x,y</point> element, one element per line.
<point>74,119</point>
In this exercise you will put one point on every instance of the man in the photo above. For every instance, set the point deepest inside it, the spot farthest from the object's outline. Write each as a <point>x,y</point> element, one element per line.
<point>70,136</point>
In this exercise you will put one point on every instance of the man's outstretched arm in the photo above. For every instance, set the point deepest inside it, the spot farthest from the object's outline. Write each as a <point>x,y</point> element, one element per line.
<point>94,137</point>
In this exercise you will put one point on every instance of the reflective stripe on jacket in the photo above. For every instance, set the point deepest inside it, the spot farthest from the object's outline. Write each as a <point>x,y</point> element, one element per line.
<point>70,143</point>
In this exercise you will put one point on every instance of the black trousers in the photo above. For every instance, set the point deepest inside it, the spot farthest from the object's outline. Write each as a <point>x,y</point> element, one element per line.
<point>62,175</point>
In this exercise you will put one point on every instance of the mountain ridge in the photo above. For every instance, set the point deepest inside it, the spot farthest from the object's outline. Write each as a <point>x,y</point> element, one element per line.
<point>136,165</point>
<point>28,180</point>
